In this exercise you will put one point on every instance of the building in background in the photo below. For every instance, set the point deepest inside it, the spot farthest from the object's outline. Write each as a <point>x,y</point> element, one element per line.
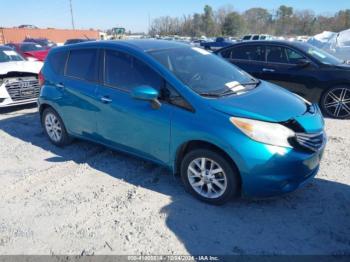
<point>16,35</point>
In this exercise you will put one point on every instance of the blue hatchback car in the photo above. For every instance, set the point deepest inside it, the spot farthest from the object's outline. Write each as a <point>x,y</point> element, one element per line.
<point>225,132</point>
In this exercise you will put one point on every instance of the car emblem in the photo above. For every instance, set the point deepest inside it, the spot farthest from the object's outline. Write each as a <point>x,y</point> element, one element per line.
<point>24,85</point>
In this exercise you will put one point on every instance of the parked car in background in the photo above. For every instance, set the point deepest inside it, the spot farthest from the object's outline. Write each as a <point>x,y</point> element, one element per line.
<point>31,51</point>
<point>256,37</point>
<point>225,132</point>
<point>28,27</point>
<point>299,67</point>
<point>77,40</point>
<point>219,42</point>
<point>41,41</point>
<point>18,78</point>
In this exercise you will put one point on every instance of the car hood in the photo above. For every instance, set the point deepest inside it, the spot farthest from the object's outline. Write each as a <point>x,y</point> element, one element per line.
<point>20,66</point>
<point>267,102</point>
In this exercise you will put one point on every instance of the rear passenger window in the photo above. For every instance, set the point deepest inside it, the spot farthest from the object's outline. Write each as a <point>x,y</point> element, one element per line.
<point>58,62</point>
<point>82,64</point>
<point>126,72</point>
<point>249,52</point>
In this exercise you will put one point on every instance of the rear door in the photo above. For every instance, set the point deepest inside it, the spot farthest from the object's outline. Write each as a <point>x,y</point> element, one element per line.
<point>249,57</point>
<point>78,104</point>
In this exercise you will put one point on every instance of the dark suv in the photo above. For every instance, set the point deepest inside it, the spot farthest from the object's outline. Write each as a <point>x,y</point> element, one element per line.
<point>299,67</point>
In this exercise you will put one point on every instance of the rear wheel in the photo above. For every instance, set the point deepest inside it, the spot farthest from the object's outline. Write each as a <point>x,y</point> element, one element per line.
<point>54,127</point>
<point>209,176</point>
<point>335,102</point>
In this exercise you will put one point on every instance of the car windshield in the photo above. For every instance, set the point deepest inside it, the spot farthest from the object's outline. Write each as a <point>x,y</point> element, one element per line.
<point>322,56</point>
<point>204,72</point>
<point>9,56</point>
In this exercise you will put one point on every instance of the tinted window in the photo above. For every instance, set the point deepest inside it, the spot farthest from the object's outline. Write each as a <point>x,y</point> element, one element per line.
<point>82,64</point>
<point>247,37</point>
<point>293,56</point>
<point>58,62</point>
<point>127,72</point>
<point>249,52</point>
<point>276,54</point>
<point>256,37</point>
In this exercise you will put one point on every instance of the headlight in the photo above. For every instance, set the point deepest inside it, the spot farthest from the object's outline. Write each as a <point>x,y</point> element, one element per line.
<point>264,132</point>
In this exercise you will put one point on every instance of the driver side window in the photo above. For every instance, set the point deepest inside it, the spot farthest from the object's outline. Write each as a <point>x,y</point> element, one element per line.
<point>126,72</point>
<point>293,56</point>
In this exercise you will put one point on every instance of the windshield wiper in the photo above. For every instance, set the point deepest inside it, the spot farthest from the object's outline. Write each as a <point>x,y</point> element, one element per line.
<point>229,91</point>
<point>210,94</point>
<point>257,82</point>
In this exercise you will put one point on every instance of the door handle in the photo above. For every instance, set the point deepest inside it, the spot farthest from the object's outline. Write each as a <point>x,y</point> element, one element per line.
<point>106,100</point>
<point>60,86</point>
<point>268,70</point>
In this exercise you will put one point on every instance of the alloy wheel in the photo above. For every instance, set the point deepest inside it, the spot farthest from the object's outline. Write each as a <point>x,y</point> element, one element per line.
<point>337,102</point>
<point>53,127</point>
<point>207,177</point>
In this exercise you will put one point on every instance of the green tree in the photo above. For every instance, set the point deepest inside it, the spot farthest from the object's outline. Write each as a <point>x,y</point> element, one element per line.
<point>208,24</point>
<point>233,24</point>
<point>284,21</point>
<point>258,20</point>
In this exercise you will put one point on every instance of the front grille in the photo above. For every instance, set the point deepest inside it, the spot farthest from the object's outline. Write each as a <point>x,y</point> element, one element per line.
<point>313,141</point>
<point>22,88</point>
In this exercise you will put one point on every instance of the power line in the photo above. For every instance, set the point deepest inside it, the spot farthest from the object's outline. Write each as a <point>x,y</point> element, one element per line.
<point>71,13</point>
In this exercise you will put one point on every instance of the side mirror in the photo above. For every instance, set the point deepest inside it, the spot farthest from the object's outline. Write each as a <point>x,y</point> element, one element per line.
<point>303,63</point>
<point>147,93</point>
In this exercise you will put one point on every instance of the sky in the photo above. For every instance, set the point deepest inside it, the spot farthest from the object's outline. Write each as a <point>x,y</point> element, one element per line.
<point>134,15</point>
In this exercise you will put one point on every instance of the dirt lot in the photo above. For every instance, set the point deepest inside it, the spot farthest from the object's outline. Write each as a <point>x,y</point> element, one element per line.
<point>87,199</point>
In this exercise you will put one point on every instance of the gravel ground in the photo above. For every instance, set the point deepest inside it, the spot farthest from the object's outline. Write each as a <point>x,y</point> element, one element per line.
<point>86,199</point>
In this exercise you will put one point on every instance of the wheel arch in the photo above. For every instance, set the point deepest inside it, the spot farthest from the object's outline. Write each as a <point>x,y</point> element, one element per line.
<point>201,144</point>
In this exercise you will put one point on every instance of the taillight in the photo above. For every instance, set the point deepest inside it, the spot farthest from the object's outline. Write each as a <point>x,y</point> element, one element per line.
<point>41,79</point>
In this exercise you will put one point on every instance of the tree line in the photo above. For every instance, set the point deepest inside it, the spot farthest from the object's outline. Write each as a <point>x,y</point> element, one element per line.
<point>225,21</point>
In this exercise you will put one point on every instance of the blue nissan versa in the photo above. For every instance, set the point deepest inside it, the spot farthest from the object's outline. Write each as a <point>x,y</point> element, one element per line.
<point>225,132</point>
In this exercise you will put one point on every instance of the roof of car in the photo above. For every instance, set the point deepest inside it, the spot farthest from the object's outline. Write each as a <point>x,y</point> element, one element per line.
<point>2,47</point>
<point>273,42</point>
<point>141,45</point>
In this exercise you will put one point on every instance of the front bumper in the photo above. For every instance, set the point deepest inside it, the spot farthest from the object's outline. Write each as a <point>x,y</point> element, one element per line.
<point>8,102</point>
<point>268,171</point>
<point>18,95</point>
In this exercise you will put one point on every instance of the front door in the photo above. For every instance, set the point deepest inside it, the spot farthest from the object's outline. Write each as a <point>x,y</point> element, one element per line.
<point>127,123</point>
<point>283,69</point>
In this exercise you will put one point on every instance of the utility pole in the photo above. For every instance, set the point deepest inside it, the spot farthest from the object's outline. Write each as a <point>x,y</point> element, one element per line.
<point>71,13</point>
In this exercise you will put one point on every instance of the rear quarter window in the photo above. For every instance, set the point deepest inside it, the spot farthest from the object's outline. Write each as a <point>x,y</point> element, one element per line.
<point>83,65</point>
<point>58,62</point>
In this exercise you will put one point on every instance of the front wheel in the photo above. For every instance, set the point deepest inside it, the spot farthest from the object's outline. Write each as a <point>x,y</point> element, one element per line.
<point>209,176</point>
<point>335,102</point>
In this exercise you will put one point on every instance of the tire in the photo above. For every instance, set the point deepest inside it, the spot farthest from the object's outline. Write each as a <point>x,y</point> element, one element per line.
<point>335,102</point>
<point>54,128</point>
<point>228,179</point>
